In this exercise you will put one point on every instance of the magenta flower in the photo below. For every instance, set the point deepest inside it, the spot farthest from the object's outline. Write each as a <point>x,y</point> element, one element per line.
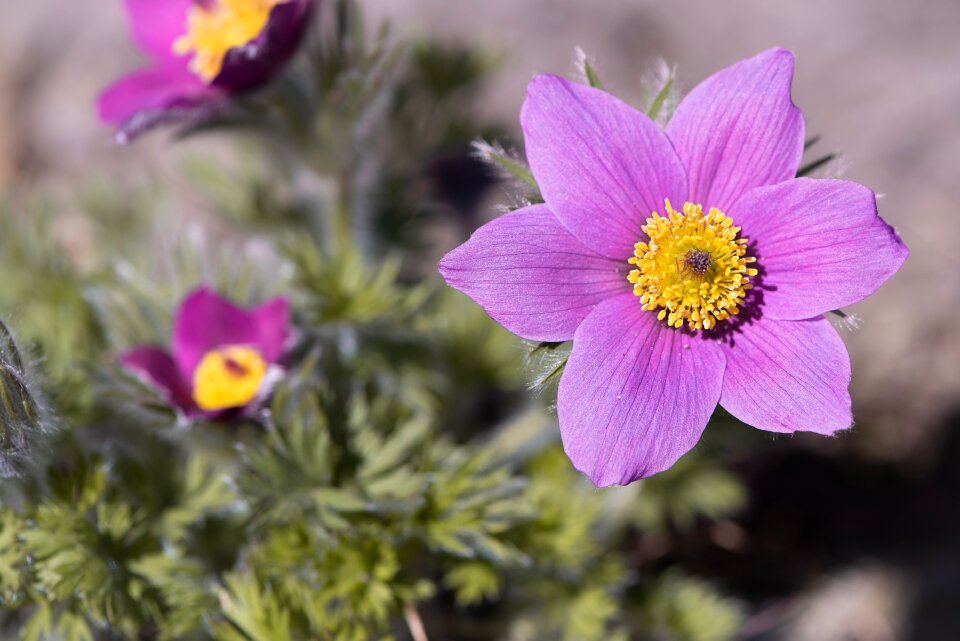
<point>223,357</point>
<point>673,311</point>
<point>202,51</point>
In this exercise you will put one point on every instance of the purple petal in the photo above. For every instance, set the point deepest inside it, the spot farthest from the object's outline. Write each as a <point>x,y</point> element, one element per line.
<point>602,166</point>
<point>256,62</point>
<point>156,366</point>
<point>156,24</point>
<point>531,275</point>
<point>273,322</point>
<point>636,394</point>
<point>788,376</point>
<point>820,245</point>
<point>204,322</point>
<point>738,129</point>
<point>152,91</point>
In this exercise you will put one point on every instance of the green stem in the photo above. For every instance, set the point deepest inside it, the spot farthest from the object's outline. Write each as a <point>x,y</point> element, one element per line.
<point>341,233</point>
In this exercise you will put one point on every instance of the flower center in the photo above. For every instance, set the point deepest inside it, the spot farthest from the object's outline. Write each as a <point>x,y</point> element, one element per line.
<point>216,27</point>
<point>228,377</point>
<point>693,268</point>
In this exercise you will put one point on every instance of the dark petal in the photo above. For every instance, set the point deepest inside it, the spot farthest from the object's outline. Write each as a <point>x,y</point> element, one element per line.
<point>148,89</point>
<point>273,325</point>
<point>157,368</point>
<point>184,115</point>
<point>206,321</point>
<point>151,97</point>
<point>255,63</point>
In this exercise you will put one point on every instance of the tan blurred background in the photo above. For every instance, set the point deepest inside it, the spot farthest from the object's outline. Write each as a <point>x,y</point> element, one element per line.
<point>879,79</point>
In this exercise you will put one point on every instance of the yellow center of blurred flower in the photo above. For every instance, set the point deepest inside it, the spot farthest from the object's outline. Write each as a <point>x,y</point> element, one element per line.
<point>693,268</point>
<point>228,377</point>
<point>218,27</point>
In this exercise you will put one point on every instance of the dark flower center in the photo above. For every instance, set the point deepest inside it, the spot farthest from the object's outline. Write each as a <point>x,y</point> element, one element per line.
<point>235,368</point>
<point>698,261</point>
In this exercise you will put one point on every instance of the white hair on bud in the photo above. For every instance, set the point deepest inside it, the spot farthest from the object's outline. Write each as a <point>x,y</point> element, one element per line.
<point>580,62</point>
<point>849,322</point>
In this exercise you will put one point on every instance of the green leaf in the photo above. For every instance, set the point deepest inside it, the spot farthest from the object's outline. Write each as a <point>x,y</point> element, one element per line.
<point>684,608</point>
<point>63,624</point>
<point>586,69</point>
<point>339,500</point>
<point>694,488</point>
<point>12,556</point>
<point>589,615</point>
<point>185,595</point>
<point>658,100</point>
<point>814,165</point>
<point>382,457</point>
<point>202,492</point>
<point>512,167</point>
<point>38,626</point>
<point>252,612</point>
<point>473,582</point>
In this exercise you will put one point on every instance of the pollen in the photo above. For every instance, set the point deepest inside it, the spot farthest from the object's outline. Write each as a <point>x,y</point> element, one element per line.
<point>693,268</point>
<point>228,377</point>
<point>216,27</point>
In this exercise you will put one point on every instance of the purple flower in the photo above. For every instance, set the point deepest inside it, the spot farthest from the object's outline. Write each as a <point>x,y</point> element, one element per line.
<point>674,311</point>
<point>223,357</point>
<point>202,51</point>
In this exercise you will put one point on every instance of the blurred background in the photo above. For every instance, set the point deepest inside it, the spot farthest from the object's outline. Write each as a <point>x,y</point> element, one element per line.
<point>867,525</point>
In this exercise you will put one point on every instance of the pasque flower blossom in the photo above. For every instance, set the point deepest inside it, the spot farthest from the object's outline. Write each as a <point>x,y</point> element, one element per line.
<point>223,358</point>
<point>689,266</point>
<point>202,51</point>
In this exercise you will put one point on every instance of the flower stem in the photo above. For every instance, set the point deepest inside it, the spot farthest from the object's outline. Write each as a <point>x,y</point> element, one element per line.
<point>415,623</point>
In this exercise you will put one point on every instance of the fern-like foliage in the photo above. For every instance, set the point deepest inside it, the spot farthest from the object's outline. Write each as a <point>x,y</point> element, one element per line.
<point>400,476</point>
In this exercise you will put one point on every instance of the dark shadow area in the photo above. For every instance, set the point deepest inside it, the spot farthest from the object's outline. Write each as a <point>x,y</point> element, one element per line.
<point>814,515</point>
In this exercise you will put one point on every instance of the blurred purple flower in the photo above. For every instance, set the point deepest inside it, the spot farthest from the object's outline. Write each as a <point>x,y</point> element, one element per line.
<point>202,51</point>
<point>223,358</point>
<point>671,315</point>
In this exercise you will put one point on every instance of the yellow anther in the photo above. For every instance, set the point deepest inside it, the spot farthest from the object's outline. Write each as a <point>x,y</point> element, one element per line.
<point>215,29</point>
<point>693,267</point>
<point>228,377</point>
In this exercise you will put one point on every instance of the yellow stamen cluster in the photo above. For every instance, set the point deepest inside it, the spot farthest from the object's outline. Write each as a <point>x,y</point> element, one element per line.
<point>228,377</point>
<point>693,268</point>
<point>218,27</point>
